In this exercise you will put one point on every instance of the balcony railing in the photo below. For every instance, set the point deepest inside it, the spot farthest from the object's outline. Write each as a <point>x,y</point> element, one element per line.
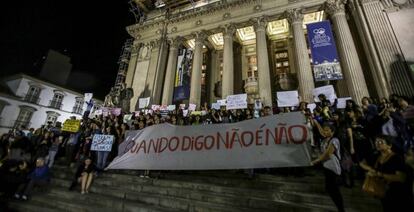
<point>55,104</point>
<point>77,110</point>
<point>31,98</point>
<point>19,123</point>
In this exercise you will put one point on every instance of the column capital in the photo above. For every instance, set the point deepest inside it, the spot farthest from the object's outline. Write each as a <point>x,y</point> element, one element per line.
<point>175,42</point>
<point>155,44</point>
<point>200,36</point>
<point>228,30</point>
<point>335,7</point>
<point>294,16</point>
<point>260,23</point>
<point>135,48</point>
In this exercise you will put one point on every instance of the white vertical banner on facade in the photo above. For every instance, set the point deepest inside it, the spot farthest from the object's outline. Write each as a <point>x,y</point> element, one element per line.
<point>238,101</point>
<point>257,143</point>
<point>287,98</point>
<point>143,102</point>
<point>328,90</point>
<point>88,97</point>
<point>342,102</point>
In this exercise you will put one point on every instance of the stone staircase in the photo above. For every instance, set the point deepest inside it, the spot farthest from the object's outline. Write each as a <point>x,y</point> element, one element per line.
<point>193,191</point>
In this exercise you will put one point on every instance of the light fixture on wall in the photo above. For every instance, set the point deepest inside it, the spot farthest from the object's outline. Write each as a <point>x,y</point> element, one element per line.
<point>159,3</point>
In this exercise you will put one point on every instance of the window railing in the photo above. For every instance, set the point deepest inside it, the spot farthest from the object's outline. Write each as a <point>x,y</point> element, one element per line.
<point>55,104</point>
<point>77,110</point>
<point>31,98</point>
<point>19,123</point>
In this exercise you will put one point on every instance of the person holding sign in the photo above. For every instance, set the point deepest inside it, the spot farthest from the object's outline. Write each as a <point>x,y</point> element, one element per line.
<point>102,155</point>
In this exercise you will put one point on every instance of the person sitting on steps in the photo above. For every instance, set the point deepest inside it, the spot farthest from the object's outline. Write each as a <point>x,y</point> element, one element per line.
<point>84,175</point>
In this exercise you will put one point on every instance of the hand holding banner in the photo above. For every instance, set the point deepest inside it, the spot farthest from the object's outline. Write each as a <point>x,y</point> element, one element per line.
<point>287,99</point>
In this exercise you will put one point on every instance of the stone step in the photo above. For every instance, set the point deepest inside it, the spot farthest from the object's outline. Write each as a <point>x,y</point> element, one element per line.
<point>30,206</point>
<point>241,199</point>
<point>190,195</point>
<point>258,188</point>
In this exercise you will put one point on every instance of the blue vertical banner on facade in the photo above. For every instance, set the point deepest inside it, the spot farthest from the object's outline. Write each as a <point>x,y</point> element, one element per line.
<point>324,55</point>
<point>182,77</point>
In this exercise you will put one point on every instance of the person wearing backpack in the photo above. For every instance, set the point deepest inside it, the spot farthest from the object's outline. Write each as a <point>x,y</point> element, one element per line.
<point>330,159</point>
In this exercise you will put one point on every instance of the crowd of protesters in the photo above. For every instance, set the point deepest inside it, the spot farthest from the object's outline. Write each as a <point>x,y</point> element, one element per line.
<point>370,138</point>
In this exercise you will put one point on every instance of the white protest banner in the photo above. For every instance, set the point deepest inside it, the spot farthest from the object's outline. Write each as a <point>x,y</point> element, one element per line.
<point>287,98</point>
<point>257,143</point>
<point>171,107</point>
<point>163,107</point>
<point>102,142</point>
<point>116,111</point>
<point>311,107</point>
<point>192,107</point>
<point>143,102</point>
<point>88,97</point>
<point>182,106</point>
<point>155,107</point>
<point>222,102</point>
<point>328,90</point>
<point>185,113</point>
<point>215,106</point>
<point>238,101</point>
<point>129,142</point>
<point>342,102</point>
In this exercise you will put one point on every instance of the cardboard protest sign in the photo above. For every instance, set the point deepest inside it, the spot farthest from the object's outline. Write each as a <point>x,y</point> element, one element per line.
<point>287,98</point>
<point>88,97</point>
<point>102,142</point>
<point>215,106</point>
<point>143,102</point>
<point>222,102</point>
<point>116,111</point>
<point>238,101</point>
<point>155,107</point>
<point>312,107</point>
<point>342,102</point>
<point>192,107</point>
<point>257,104</point>
<point>71,125</point>
<point>328,90</point>
<point>171,107</point>
<point>182,106</point>
<point>127,117</point>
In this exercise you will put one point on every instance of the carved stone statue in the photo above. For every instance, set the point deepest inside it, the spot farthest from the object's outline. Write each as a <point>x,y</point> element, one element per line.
<point>126,95</point>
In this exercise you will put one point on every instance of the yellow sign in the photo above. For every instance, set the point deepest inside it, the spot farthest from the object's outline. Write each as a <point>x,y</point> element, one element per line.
<point>71,125</point>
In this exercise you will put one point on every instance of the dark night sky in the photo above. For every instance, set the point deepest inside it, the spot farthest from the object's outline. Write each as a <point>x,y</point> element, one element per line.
<point>92,34</point>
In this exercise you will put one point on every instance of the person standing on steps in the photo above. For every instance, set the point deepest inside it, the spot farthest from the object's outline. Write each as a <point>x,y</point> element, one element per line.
<point>330,158</point>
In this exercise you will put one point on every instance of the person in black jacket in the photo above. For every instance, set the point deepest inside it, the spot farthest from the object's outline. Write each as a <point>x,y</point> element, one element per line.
<point>84,175</point>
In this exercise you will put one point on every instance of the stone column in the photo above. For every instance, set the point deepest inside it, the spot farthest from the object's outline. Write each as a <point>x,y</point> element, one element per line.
<point>380,81</point>
<point>168,91</point>
<point>213,75</point>
<point>302,62</point>
<point>265,88</point>
<point>351,66</point>
<point>387,47</point>
<point>227,87</point>
<point>195,91</point>
<point>132,65</point>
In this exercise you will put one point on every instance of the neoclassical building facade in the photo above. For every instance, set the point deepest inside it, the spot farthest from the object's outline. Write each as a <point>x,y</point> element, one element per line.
<point>260,47</point>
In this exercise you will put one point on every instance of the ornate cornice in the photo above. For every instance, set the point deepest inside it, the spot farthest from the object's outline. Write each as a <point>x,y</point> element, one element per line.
<point>135,29</point>
<point>395,5</point>
<point>294,16</point>
<point>334,7</point>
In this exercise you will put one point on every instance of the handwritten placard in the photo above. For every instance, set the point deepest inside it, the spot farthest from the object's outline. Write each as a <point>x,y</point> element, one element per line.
<point>238,101</point>
<point>287,98</point>
<point>102,142</point>
<point>342,102</point>
<point>71,125</point>
<point>171,107</point>
<point>215,106</point>
<point>192,107</point>
<point>143,102</point>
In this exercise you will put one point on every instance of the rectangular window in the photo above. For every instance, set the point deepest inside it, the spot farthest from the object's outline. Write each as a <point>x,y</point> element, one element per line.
<point>24,118</point>
<point>32,95</point>
<point>78,108</point>
<point>56,101</point>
